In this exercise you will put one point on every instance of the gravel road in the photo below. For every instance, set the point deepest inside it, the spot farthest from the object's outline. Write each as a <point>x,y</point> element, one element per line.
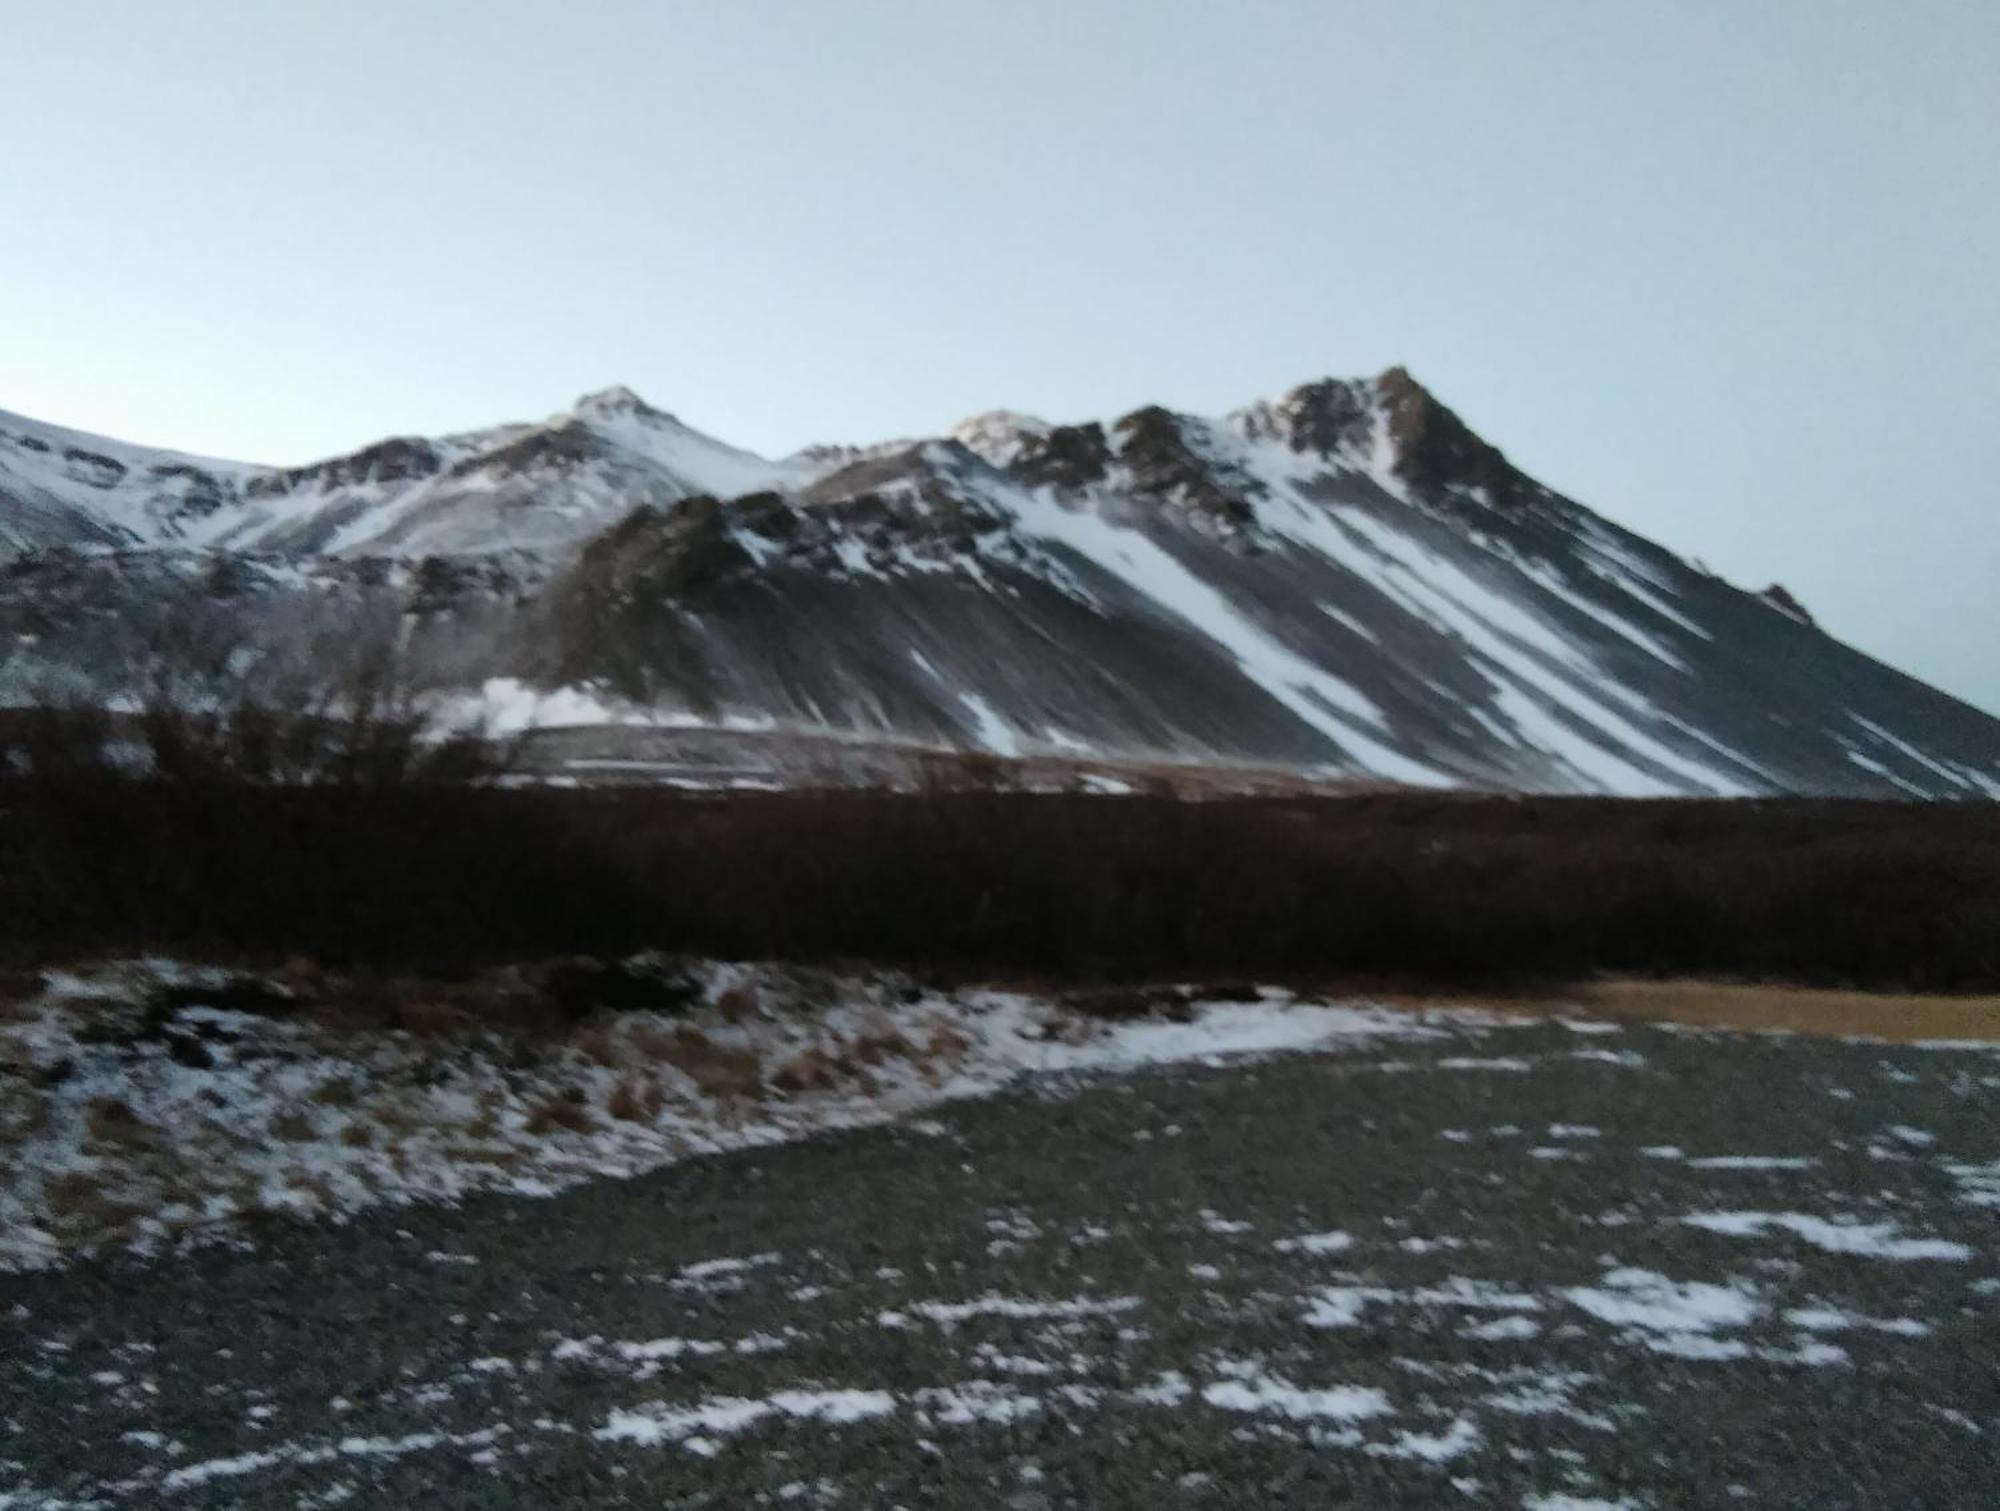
<point>1542,1267</point>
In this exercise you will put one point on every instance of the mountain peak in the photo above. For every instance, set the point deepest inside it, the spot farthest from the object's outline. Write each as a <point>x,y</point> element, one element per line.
<point>1400,379</point>
<point>1435,451</point>
<point>615,401</point>
<point>998,435</point>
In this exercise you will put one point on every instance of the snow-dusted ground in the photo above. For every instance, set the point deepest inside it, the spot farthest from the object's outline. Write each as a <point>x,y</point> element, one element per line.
<point>122,1127</point>
<point>1762,1271</point>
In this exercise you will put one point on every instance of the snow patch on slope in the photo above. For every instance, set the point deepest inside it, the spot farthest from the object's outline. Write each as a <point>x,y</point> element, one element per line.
<point>1318,698</point>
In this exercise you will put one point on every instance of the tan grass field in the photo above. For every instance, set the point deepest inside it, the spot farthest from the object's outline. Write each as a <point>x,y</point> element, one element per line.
<point>1797,1009</point>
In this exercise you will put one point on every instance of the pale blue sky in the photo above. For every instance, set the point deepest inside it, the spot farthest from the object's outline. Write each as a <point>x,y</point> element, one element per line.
<point>1724,271</point>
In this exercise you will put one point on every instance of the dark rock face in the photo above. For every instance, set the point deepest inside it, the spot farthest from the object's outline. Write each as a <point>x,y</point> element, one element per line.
<point>399,460</point>
<point>1069,456</point>
<point>548,448</point>
<point>1780,598</point>
<point>1437,452</point>
<point>93,470</point>
<point>659,556</point>
<point>1164,466</point>
<point>201,493</point>
<point>1325,417</point>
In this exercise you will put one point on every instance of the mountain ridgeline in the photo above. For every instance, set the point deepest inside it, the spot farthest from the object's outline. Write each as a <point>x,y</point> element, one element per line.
<point>1345,582</point>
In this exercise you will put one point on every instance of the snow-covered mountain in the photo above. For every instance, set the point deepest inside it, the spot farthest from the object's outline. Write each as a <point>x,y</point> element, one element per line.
<point>1344,580</point>
<point>513,488</point>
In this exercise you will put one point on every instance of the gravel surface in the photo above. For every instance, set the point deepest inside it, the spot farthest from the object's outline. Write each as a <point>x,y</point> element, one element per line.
<point>1460,1271</point>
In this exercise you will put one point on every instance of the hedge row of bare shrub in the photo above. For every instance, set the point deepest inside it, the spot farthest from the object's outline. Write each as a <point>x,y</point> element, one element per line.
<point>421,871</point>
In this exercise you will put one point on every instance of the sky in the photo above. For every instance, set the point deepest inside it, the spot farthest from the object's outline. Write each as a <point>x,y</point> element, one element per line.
<point>1724,271</point>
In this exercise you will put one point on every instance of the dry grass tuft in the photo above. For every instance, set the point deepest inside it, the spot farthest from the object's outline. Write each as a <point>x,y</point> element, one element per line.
<point>396,1115</point>
<point>293,1128</point>
<point>633,1101</point>
<point>338,1092</point>
<point>301,973</point>
<point>812,1069</point>
<point>25,1114</point>
<point>1711,1004</point>
<point>80,1209</point>
<point>597,1045</point>
<point>430,1017</point>
<point>1127,1004</point>
<point>947,1042</point>
<point>112,1121</point>
<point>720,1070</point>
<point>651,1040</point>
<point>882,1044</point>
<point>564,1111</point>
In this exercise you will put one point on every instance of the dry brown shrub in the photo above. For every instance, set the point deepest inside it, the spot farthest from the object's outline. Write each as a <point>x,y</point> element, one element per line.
<point>339,1092</point>
<point>563,1111</point>
<point>299,972</point>
<point>947,1041</point>
<point>368,999</point>
<point>882,1044</point>
<point>1445,891</point>
<point>25,1114</point>
<point>518,1004</point>
<point>357,1135</point>
<point>308,980</point>
<point>429,1017</point>
<point>1125,1004</point>
<point>112,1121</point>
<point>80,1210</point>
<point>396,1115</point>
<point>293,1127</point>
<point>1230,991</point>
<point>635,1102</point>
<point>736,1004</point>
<point>651,1040</point>
<point>812,1069</point>
<point>595,1044</point>
<point>718,1069</point>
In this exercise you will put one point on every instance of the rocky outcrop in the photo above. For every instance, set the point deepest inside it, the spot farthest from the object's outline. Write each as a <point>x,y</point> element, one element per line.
<point>401,459</point>
<point>1438,454</point>
<point>1162,465</point>
<point>1780,598</point>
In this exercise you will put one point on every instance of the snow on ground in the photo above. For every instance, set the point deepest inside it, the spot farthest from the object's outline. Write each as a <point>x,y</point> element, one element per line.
<point>1246,1287</point>
<point>129,1123</point>
<point>507,706</point>
<point>1836,1235</point>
